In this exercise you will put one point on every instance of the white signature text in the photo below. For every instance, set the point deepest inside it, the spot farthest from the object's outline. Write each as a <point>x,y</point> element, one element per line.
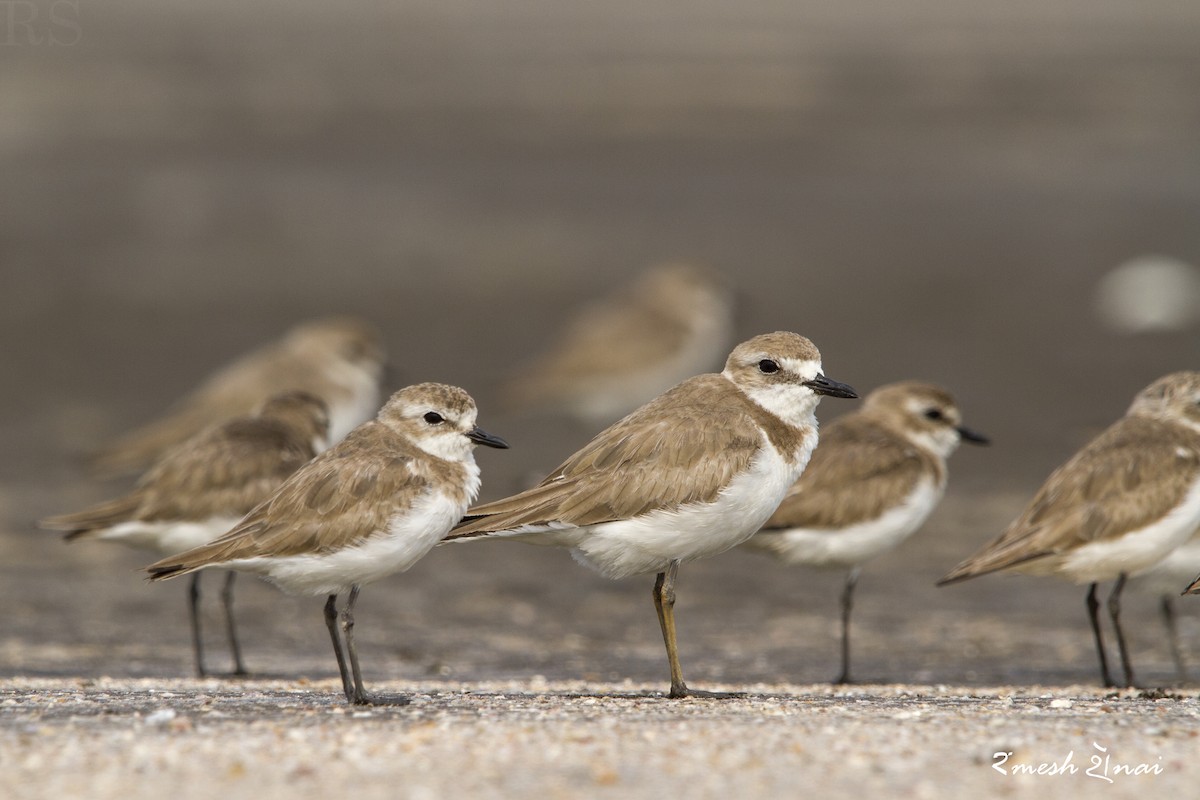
<point>1101,766</point>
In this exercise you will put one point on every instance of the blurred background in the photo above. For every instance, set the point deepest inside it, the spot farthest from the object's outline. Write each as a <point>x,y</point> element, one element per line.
<point>934,189</point>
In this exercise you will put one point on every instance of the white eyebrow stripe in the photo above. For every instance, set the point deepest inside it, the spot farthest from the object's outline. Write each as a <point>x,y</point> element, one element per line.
<point>801,366</point>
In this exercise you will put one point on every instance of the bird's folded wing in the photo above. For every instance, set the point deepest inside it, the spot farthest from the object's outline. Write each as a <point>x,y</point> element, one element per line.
<point>223,472</point>
<point>103,515</point>
<point>677,450</point>
<point>1121,482</point>
<point>855,475</point>
<point>334,502</point>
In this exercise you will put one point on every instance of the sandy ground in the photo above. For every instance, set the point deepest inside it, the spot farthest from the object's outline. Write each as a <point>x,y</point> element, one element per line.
<point>117,738</point>
<point>929,190</point>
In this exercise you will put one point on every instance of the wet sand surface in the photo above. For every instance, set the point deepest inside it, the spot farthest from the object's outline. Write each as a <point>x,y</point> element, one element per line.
<point>927,192</point>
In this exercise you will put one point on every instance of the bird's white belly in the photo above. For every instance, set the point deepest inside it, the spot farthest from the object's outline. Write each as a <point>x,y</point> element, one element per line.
<point>1171,575</point>
<point>409,536</point>
<point>847,547</point>
<point>651,542</point>
<point>1136,550</point>
<point>168,538</point>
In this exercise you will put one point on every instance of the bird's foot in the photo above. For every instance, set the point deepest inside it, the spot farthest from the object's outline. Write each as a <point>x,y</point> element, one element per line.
<point>368,699</point>
<point>681,690</point>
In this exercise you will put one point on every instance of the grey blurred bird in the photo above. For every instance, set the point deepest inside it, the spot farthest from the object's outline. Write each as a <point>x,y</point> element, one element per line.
<point>339,360</point>
<point>199,489</point>
<point>674,321</point>
<point>876,477</point>
<point>1117,507</point>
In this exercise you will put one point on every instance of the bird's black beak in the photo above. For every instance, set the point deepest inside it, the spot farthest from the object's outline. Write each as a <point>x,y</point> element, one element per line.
<point>480,436</point>
<point>971,436</point>
<point>823,385</point>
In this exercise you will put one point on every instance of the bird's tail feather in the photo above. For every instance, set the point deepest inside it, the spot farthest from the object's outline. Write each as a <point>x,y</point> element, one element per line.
<point>187,561</point>
<point>82,523</point>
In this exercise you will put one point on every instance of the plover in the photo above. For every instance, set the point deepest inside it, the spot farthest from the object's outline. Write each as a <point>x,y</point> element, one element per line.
<point>674,321</point>
<point>691,474</point>
<point>370,506</point>
<point>338,359</point>
<point>199,489</point>
<point>1120,505</point>
<point>872,483</point>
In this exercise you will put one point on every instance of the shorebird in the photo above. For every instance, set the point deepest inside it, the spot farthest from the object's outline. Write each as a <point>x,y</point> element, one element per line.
<point>338,359</point>
<point>691,474</point>
<point>1119,506</point>
<point>369,506</point>
<point>199,489</point>
<point>674,321</point>
<point>872,483</point>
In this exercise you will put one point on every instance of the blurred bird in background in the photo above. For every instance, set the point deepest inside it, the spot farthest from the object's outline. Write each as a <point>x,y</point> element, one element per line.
<point>338,359</point>
<point>674,321</point>
<point>875,478</point>
<point>199,489</point>
<point>1119,506</point>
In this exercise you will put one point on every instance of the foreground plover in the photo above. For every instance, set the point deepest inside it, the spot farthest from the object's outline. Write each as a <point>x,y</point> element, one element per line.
<point>339,359</point>
<point>872,483</point>
<point>674,321</point>
<point>199,489</point>
<point>371,505</point>
<point>691,474</point>
<point>1120,505</point>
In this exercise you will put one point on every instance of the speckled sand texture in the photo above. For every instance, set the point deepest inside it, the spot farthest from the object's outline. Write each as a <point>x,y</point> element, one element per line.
<point>121,739</point>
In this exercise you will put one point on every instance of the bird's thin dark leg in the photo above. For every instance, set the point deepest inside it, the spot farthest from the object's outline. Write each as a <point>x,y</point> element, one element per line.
<point>361,697</point>
<point>1168,615</point>
<point>239,667</point>
<point>847,606</point>
<point>194,612</point>
<point>331,622</point>
<point>348,635</point>
<point>1093,607</point>
<point>1114,612</point>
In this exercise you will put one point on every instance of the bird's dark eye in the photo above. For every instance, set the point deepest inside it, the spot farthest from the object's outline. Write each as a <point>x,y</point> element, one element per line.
<point>767,366</point>
<point>434,418</point>
<point>934,414</point>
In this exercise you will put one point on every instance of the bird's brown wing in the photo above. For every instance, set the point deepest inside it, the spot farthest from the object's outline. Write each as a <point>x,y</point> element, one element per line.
<point>1120,482</point>
<point>97,517</point>
<point>224,471</point>
<point>341,498</point>
<point>682,448</point>
<point>857,472</point>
